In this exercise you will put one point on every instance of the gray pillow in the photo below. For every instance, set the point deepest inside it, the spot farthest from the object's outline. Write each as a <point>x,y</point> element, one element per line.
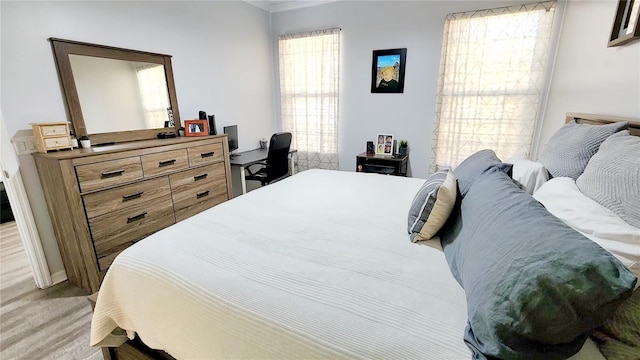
<point>570,148</point>
<point>612,177</point>
<point>535,287</point>
<point>431,206</point>
<point>475,165</point>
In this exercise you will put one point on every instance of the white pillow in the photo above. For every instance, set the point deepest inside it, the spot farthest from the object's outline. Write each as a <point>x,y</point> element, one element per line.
<point>563,199</point>
<point>529,175</point>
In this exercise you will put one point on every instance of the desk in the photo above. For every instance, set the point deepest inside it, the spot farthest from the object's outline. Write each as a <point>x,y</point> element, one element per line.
<point>251,157</point>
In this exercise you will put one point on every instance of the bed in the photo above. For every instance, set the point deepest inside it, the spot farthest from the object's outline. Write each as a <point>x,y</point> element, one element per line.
<point>318,265</point>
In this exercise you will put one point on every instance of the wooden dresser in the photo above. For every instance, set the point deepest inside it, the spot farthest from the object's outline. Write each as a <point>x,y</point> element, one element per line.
<point>103,199</point>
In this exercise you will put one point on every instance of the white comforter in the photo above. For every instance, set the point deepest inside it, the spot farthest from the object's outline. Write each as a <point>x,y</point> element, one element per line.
<point>318,265</point>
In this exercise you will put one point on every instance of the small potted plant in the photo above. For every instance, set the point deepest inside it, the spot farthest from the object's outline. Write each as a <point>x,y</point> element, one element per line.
<point>402,149</point>
<point>85,142</point>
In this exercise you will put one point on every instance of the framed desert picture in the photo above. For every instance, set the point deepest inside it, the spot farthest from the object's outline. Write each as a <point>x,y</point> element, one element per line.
<point>387,70</point>
<point>384,144</point>
<point>196,128</point>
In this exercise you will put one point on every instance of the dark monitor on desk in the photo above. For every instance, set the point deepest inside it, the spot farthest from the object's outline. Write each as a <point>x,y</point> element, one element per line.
<point>232,133</point>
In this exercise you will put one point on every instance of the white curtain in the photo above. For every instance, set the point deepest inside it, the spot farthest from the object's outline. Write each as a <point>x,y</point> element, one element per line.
<point>492,71</point>
<point>309,72</point>
<point>152,84</point>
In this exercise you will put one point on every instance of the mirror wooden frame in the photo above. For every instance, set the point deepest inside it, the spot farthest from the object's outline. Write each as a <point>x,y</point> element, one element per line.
<point>63,48</point>
<point>623,21</point>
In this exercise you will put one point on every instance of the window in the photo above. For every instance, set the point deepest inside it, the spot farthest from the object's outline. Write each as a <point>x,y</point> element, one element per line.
<point>309,72</point>
<point>154,94</point>
<point>492,70</point>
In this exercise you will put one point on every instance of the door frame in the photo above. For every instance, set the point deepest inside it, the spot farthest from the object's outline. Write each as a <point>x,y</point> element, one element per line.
<point>27,227</point>
<point>22,213</point>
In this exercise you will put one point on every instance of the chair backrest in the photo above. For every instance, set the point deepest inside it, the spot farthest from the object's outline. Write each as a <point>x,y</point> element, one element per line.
<point>278,156</point>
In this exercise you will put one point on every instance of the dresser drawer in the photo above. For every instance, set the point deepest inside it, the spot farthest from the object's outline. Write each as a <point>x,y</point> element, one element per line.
<point>108,173</point>
<point>165,162</point>
<point>205,154</point>
<point>198,189</point>
<point>210,197</point>
<point>115,231</point>
<point>122,197</point>
<point>53,130</point>
<point>56,142</point>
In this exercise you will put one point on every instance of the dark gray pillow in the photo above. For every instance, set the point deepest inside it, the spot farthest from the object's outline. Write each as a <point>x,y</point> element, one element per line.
<point>475,165</point>
<point>570,148</point>
<point>612,177</point>
<point>431,206</point>
<point>535,287</point>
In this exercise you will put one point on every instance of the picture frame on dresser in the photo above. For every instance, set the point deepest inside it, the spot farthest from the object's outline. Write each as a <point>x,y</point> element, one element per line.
<point>199,127</point>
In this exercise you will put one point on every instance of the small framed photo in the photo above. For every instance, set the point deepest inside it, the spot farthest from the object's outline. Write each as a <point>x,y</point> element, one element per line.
<point>387,70</point>
<point>196,128</point>
<point>384,144</point>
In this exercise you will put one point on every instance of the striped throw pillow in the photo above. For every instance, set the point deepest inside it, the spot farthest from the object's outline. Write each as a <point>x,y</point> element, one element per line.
<point>612,177</point>
<point>432,206</point>
<point>570,148</point>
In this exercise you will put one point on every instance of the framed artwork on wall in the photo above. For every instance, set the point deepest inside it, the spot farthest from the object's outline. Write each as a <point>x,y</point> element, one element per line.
<point>387,70</point>
<point>196,128</point>
<point>384,144</point>
<point>626,27</point>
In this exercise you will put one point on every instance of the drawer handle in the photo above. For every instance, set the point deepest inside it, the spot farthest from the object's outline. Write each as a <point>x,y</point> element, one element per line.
<point>166,163</point>
<point>132,196</point>
<point>113,173</point>
<point>202,194</point>
<point>131,219</point>
<point>200,177</point>
<point>206,155</point>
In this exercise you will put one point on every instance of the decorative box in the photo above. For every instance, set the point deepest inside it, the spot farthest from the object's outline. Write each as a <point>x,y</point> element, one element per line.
<point>51,136</point>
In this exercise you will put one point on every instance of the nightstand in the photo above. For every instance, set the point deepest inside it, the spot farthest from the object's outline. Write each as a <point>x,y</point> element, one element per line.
<point>387,165</point>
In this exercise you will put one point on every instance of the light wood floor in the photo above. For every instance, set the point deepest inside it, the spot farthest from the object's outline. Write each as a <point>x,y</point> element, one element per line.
<point>39,324</point>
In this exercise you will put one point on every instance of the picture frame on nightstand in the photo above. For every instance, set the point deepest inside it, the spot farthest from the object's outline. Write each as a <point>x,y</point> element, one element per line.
<point>384,145</point>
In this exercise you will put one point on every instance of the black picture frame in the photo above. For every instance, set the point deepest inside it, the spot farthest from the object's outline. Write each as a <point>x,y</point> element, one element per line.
<point>383,61</point>
<point>626,23</point>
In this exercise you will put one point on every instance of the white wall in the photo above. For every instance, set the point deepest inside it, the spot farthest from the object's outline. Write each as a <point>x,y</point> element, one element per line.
<point>222,64</point>
<point>589,77</point>
<point>376,25</point>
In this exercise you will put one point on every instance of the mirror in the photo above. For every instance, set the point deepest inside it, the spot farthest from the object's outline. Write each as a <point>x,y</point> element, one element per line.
<point>116,95</point>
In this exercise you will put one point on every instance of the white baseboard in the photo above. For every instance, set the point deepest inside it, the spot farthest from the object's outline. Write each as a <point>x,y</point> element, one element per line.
<point>58,277</point>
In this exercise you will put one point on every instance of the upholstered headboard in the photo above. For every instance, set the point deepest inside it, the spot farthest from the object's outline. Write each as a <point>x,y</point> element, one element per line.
<point>634,124</point>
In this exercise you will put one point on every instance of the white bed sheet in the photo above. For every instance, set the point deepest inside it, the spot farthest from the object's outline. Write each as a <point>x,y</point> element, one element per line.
<point>562,198</point>
<point>318,265</point>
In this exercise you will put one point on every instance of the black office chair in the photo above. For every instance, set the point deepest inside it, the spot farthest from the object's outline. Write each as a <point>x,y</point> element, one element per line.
<point>277,165</point>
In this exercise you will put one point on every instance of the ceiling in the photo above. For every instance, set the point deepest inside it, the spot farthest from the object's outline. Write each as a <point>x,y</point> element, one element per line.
<point>283,5</point>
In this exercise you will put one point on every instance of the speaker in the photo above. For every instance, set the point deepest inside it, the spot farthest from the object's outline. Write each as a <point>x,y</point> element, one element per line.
<point>212,125</point>
<point>202,115</point>
<point>370,148</point>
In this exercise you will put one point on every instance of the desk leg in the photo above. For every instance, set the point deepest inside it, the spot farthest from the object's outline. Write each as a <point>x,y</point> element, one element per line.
<point>243,181</point>
<point>293,164</point>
